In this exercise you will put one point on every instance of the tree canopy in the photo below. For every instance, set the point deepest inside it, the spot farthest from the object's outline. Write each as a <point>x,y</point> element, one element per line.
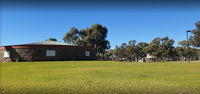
<point>162,48</point>
<point>132,50</point>
<point>195,38</point>
<point>94,36</point>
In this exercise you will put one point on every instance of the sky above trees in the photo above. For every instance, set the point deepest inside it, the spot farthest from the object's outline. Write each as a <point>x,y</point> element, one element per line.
<point>24,22</point>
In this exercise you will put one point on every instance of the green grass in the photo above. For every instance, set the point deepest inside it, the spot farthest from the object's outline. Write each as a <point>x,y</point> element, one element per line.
<point>99,77</point>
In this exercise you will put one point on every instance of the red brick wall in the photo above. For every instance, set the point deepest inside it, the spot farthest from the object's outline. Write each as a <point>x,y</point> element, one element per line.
<point>38,53</point>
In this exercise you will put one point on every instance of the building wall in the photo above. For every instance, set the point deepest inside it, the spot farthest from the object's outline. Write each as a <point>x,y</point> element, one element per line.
<point>39,54</point>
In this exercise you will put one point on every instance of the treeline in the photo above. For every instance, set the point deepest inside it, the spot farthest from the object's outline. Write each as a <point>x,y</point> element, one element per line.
<point>159,49</point>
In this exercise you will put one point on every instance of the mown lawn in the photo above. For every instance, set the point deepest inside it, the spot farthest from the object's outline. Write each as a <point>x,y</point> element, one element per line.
<point>99,77</point>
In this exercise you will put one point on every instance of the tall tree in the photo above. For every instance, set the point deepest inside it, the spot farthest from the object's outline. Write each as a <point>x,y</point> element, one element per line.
<point>153,47</point>
<point>132,51</point>
<point>119,51</point>
<point>142,49</point>
<point>72,37</point>
<point>182,51</point>
<point>162,48</point>
<point>95,36</point>
<point>167,48</point>
<point>195,38</point>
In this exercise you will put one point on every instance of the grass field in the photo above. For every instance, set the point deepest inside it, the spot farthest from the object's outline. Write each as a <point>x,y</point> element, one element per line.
<point>100,77</point>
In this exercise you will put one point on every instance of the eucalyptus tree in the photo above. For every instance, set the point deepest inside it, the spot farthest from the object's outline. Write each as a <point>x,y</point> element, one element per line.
<point>95,36</point>
<point>182,50</point>
<point>120,51</point>
<point>132,51</point>
<point>142,49</point>
<point>162,48</point>
<point>195,38</point>
<point>72,37</point>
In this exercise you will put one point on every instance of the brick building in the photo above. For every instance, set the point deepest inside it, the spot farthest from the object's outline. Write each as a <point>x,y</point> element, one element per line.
<point>46,51</point>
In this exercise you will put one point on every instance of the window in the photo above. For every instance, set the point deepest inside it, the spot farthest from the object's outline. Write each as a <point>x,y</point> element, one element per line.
<point>87,53</point>
<point>50,53</point>
<point>7,54</point>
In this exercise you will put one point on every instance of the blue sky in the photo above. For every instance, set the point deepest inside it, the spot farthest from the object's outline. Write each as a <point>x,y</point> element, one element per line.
<point>20,25</point>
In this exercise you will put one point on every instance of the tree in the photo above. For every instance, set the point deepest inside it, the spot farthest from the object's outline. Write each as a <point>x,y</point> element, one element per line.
<point>108,55</point>
<point>52,39</point>
<point>119,51</point>
<point>142,49</point>
<point>153,47</point>
<point>162,48</point>
<point>95,36</point>
<point>132,43</point>
<point>72,37</point>
<point>182,51</point>
<point>183,43</point>
<point>132,51</point>
<point>195,38</point>
<point>167,48</point>
<point>193,53</point>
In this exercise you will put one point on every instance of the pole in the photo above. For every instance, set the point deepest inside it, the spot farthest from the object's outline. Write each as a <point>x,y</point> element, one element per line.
<point>188,46</point>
